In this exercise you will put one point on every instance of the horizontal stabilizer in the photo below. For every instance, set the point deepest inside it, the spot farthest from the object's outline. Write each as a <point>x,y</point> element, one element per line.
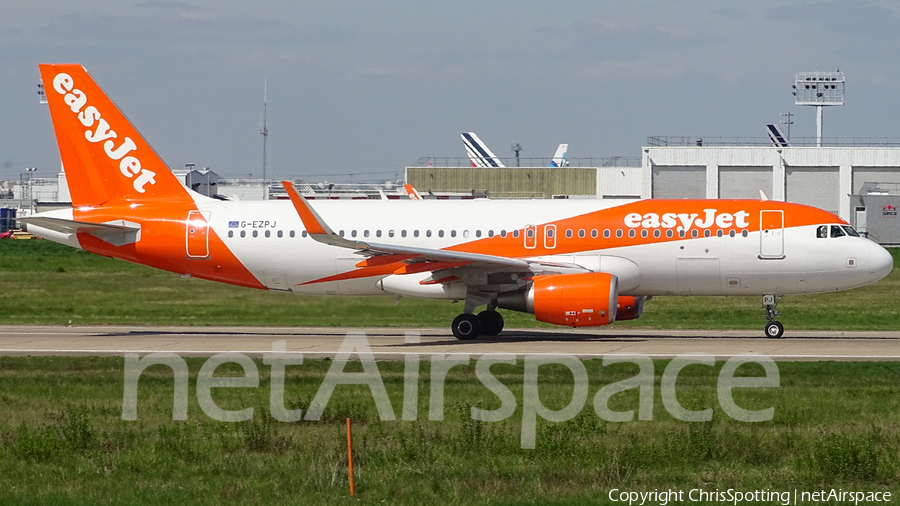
<point>117,232</point>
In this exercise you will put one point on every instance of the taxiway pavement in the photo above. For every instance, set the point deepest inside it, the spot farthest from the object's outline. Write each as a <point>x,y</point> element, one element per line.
<point>391,343</point>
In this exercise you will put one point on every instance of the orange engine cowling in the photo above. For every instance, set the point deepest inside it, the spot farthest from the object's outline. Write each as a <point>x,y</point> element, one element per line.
<point>576,300</point>
<point>629,308</point>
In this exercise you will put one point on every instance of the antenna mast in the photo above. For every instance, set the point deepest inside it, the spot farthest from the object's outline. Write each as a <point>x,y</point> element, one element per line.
<point>265,136</point>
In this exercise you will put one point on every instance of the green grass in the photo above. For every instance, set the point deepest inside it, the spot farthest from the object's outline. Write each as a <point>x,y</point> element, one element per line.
<point>64,442</point>
<point>46,283</point>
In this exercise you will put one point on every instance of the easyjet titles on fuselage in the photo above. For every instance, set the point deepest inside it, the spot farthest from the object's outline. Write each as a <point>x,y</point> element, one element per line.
<point>685,221</point>
<point>129,166</point>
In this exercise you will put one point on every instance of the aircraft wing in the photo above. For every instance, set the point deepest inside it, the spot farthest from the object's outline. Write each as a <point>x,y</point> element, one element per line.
<point>321,232</point>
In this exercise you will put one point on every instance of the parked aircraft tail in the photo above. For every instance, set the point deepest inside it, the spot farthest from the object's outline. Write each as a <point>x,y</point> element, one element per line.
<point>777,136</point>
<point>411,192</point>
<point>478,152</point>
<point>559,158</point>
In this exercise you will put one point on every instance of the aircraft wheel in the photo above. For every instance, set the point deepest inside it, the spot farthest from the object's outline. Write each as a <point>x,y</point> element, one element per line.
<point>491,322</point>
<point>466,326</point>
<point>774,329</point>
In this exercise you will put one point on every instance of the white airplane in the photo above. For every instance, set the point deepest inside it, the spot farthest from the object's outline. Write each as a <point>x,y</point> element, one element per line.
<point>577,263</point>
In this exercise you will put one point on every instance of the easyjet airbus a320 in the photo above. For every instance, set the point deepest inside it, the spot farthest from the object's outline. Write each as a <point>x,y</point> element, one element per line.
<point>579,263</point>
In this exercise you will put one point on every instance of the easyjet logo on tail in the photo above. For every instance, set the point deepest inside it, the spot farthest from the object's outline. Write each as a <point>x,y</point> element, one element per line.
<point>98,130</point>
<point>685,221</point>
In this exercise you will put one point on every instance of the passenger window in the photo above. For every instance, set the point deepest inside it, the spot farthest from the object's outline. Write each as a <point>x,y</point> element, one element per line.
<point>822,232</point>
<point>850,231</point>
<point>681,233</point>
<point>706,233</point>
<point>353,233</point>
<point>403,233</point>
<point>744,233</point>
<point>836,231</point>
<point>231,233</point>
<point>515,234</point>
<point>632,233</point>
<point>243,233</point>
<point>291,233</point>
<point>719,233</point>
<point>731,233</point>
<point>669,233</point>
<point>490,233</point>
<point>255,233</point>
<point>415,233</point>
<point>550,232</point>
<point>268,233</point>
<point>606,233</point>
<point>581,233</point>
<point>378,233</point>
<point>478,233</point>
<point>656,233</point>
<point>568,233</point>
<point>695,233</point>
<point>280,234</point>
<point>529,233</point>
<point>440,233</point>
<point>390,233</point>
<point>453,233</point>
<point>466,234</point>
<point>619,233</point>
<point>503,234</point>
<point>594,233</point>
<point>365,233</point>
<point>341,233</point>
<point>428,233</point>
<point>644,233</point>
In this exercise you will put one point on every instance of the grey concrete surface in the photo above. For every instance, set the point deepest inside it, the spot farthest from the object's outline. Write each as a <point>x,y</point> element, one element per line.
<point>389,343</point>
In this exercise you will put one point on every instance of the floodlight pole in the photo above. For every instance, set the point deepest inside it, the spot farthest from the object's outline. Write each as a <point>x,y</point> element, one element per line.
<point>265,135</point>
<point>30,171</point>
<point>818,126</point>
<point>819,89</point>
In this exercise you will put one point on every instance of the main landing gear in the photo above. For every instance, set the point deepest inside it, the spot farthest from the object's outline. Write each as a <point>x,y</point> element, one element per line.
<point>469,326</point>
<point>774,328</point>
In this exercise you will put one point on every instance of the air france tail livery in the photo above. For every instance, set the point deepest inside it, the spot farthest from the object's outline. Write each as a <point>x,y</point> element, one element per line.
<point>479,154</point>
<point>578,263</point>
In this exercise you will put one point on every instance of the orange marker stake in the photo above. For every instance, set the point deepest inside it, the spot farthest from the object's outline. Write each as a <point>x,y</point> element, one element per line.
<point>350,456</point>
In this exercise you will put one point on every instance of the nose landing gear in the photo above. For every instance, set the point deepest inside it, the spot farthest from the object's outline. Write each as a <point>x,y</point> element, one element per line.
<point>773,328</point>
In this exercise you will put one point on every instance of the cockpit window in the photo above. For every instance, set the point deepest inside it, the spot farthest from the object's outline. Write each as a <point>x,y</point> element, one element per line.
<point>822,232</point>
<point>850,231</point>
<point>837,231</point>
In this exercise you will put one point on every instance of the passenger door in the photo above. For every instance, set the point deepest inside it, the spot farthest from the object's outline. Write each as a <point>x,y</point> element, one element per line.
<point>771,235</point>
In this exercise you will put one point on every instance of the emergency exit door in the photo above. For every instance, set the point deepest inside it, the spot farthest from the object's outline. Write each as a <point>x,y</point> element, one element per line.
<point>197,232</point>
<point>771,234</point>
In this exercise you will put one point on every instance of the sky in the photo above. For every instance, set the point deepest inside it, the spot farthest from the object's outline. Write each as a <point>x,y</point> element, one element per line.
<point>367,88</point>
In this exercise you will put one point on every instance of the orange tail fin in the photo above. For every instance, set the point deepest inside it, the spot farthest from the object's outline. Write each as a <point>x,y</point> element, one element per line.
<point>103,155</point>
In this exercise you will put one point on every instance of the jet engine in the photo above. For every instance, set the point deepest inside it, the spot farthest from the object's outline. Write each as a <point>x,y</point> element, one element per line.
<point>574,300</point>
<point>629,308</point>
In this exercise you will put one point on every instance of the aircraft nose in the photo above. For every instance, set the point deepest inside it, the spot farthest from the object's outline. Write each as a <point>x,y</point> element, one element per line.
<point>880,263</point>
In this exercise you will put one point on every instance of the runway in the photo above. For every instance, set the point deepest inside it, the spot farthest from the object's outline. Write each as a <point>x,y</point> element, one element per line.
<point>390,343</point>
